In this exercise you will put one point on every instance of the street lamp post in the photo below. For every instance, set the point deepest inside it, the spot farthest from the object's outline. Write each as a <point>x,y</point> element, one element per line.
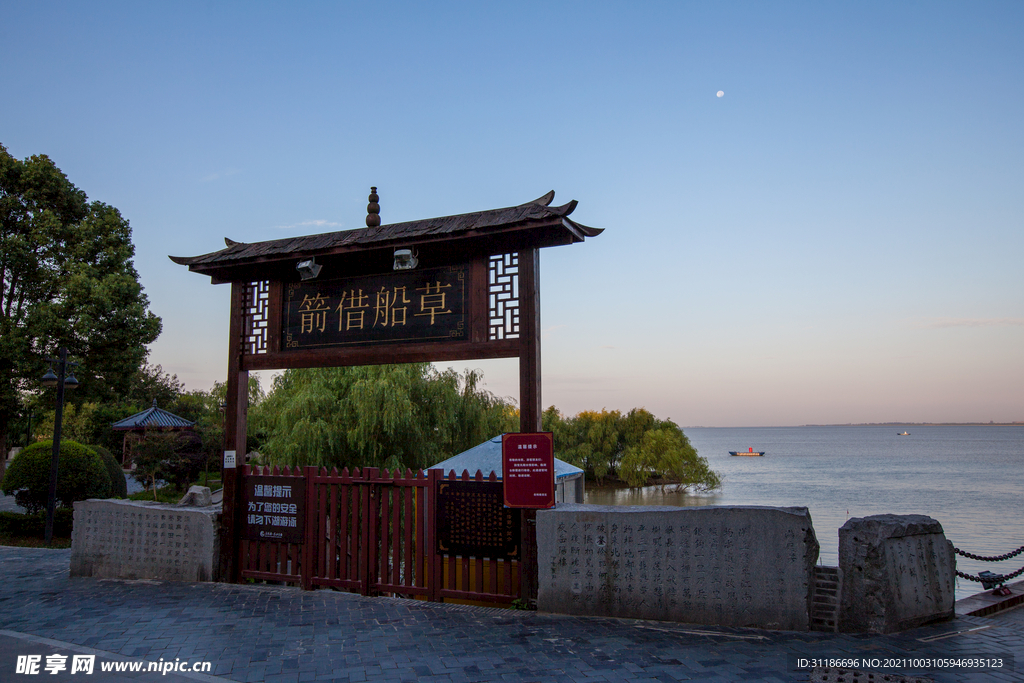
<point>62,380</point>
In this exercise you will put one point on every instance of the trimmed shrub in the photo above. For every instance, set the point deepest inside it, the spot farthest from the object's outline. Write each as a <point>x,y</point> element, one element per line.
<point>80,475</point>
<point>118,485</point>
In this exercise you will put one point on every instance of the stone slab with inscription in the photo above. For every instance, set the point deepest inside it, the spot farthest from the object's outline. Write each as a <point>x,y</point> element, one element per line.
<point>898,572</point>
<point>127,539</point>
<point>731,566</point>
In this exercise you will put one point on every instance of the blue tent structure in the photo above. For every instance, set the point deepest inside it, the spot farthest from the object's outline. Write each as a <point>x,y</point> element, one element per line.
<point>486,457</point>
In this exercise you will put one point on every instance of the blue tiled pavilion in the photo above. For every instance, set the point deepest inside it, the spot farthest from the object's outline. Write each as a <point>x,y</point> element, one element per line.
<point>150,418</point>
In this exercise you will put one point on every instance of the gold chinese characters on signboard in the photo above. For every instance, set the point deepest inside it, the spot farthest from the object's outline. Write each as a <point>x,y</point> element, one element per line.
<point>405,306</point>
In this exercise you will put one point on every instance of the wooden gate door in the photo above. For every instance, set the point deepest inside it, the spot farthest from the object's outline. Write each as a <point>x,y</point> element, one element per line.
<point>368,531</point>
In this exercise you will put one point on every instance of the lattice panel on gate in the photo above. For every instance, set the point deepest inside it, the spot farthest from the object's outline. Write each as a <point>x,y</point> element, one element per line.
<point>255,317</point>
<point>503,296</point>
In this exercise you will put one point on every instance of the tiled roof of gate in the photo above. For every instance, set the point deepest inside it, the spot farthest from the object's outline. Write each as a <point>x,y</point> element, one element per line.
<point>153,418</point>
<point>492,220</point>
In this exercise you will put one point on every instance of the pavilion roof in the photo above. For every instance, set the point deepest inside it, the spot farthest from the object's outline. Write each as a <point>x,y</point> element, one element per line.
<point>153,418</point>
<point>533,224</point>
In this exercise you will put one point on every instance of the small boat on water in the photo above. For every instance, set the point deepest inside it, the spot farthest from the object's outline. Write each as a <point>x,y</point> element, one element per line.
<point>903,434</point>
<point>749,451</point>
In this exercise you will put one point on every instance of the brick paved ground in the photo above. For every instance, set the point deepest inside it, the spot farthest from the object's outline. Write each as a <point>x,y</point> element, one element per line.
<point>270,633</point>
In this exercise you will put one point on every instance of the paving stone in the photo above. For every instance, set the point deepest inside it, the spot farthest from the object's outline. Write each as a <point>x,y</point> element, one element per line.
<point>258,632</point>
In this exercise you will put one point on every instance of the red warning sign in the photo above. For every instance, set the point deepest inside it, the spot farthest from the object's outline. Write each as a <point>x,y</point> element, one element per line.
<point>528,470</point>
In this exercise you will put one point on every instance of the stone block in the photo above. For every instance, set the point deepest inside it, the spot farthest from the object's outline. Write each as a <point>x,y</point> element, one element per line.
<point>731,566</point>
<point>127,539</point>
<point>197,496</point>
<point>898,573</point>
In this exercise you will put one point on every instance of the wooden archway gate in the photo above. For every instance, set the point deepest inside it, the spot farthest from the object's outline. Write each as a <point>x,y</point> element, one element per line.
<point>473,293</point>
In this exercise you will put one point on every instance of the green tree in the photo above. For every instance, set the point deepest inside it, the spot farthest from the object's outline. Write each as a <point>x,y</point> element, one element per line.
<point>152,457</point>
<point>66,279</point>
<point>636,447</point>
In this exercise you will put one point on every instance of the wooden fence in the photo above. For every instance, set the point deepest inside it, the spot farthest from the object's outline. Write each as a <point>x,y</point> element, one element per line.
<point>373,532</point>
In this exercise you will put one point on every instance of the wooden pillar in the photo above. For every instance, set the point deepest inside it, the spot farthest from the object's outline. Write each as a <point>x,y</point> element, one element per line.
<point>529,399</point>
<point>235,413</point>
<point>529,341</point>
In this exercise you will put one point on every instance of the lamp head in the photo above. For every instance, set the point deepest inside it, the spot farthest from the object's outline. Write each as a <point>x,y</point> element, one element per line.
<point>308,269</point>
<point>49,379</point>
<point>405,259</point>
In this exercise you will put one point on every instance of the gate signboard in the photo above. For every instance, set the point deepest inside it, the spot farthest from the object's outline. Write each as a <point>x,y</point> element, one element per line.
<point>397,307</point>
<point>471,521</point>
<point>274,509</point>
<point>528,470</point>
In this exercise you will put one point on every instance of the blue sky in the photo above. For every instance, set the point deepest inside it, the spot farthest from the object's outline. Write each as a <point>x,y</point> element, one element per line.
<point>836,239</point>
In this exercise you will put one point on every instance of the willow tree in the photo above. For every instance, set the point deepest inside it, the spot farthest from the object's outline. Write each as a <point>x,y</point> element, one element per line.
<point>377,416</point>
<point>666,455</point>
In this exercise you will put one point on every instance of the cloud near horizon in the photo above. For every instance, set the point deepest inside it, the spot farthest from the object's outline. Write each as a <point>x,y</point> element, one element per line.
<point>936,323</point>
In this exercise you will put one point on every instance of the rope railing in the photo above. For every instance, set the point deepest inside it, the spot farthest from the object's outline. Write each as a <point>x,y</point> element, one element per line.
<point>990,579</point>
<point>996,558</point>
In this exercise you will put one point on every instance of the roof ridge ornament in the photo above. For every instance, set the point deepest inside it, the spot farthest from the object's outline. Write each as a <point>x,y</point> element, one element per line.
<point>373,209</point>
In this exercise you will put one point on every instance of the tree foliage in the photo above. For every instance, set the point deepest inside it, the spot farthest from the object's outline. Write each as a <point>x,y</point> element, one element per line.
<point>378,416</point>
<point>176,457</point>
<point>66,279</point>
<point>637,447</point>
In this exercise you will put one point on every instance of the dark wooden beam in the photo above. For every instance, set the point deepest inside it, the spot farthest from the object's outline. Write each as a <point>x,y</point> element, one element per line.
<point>276,300</point>
<point>529,341</point>
<point>478,305</point>
<point>235,414</point>
<point>529,399</point>
<point>380,355</point>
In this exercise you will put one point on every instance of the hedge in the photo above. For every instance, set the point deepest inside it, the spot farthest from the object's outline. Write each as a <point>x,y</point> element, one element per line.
<point>17,524</point>
<point>118,485</point>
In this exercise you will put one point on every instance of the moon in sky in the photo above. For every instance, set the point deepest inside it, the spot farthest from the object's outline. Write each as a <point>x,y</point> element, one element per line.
<point>721,92</point>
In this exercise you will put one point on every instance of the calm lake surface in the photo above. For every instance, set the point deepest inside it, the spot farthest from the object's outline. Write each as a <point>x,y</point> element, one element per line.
<point>971,479</point>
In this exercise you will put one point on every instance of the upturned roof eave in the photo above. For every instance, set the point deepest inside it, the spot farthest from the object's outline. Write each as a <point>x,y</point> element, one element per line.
<point>410,233</point>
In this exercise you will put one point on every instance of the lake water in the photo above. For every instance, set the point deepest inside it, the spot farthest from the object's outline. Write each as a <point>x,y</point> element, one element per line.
<point>971,479</point>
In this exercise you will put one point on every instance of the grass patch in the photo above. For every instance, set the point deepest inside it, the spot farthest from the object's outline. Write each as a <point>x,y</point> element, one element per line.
<point>211,479</point>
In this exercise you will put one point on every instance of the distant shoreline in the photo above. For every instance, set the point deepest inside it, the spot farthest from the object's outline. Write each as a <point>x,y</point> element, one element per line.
<point>877,424</point>
<point>922,424</point>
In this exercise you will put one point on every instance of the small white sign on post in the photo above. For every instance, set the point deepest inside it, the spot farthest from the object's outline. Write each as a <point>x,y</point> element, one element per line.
<point>229,460</point>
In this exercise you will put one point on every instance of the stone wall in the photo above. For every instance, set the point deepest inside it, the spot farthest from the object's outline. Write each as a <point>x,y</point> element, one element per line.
<point>898,572</point>
<point>732,566</point>
<point>125,539</point>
